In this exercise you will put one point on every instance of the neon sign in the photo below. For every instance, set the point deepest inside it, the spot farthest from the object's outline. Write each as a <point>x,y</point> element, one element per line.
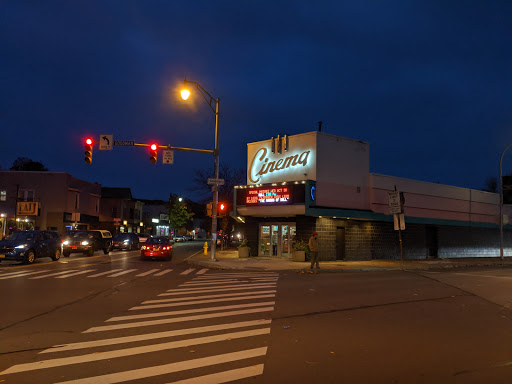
<point>261,164</point>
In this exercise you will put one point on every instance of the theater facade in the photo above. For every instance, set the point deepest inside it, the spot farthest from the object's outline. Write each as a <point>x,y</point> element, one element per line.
<point>319,182</point>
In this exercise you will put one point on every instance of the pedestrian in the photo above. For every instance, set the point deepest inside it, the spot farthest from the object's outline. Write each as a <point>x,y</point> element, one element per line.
<point>313,248</point>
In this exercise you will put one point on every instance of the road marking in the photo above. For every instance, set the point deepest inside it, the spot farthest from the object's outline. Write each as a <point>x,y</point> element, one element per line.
<point>143,373</point>
<point>187,271</point>
<point>105,273</point>
<point>182,291</point>
<point>74,274</point>
<point>157,335</point>
<point>195,302</point>
<point>225,376</point>
<point>148,272</point>
<point>52,274</point>
<point>163,272</point>
<point>122,273</point>
<point>176,320</point>
<point>187,311</point>
<point>98,356</point>
<point>207,297</point>
<point>218,275</point>
<point>191,283</point>
<point>202,271</point>
<point>19,274</point>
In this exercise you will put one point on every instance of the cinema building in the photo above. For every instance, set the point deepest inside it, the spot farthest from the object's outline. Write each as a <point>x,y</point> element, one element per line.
<point>320,182</point>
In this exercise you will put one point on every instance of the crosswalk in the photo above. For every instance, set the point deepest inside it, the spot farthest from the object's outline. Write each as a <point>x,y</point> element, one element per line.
<point>93,273</point>
<point>223,316</point>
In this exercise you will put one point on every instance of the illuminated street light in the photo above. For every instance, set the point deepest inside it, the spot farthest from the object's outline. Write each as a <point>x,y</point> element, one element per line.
<point>185,93</point>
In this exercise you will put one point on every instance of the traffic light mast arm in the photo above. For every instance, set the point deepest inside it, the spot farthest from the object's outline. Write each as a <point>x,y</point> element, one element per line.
<point>209,151</point>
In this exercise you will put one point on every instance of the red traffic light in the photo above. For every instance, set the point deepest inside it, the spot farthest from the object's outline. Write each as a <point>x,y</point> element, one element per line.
<point>153,154</point>
<point>88,150</point>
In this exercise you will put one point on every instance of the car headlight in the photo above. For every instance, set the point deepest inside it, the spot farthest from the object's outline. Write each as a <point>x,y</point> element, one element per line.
<point>66,242</point>
<point>126,241</point>
<point>85,242</point>
<point>21,246</point>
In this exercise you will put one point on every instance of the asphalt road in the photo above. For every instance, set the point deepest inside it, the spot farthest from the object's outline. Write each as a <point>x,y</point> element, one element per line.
<point>109,325</point>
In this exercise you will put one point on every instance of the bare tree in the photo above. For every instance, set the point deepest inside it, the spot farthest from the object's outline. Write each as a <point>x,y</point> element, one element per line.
<point>491,184</point>
<point>231,178</point>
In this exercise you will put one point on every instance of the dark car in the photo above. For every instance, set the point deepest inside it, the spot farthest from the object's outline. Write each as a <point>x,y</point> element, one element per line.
<point>127,240</point>
<point>26,246</point>
<point>86,242</point>
<point>156,247</point>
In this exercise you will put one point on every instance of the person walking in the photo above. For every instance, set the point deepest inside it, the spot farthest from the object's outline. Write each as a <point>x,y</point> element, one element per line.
<point>313,248</point>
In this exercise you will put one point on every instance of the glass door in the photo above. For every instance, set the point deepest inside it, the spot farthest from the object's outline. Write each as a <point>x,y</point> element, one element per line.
<point>276,239</point>
<point>264,240</point>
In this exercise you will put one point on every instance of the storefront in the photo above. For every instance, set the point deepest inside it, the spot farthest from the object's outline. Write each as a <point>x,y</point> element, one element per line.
<point>320,182</point>
<point>276,239</point>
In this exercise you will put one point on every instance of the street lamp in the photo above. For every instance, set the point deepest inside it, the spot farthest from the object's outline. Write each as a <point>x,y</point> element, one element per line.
<point>185,93</point>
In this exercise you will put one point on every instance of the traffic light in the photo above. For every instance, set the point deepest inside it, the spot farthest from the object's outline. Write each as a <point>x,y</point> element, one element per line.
<point>88,150</point>
<point>153,153</point>
<point>209,209</point>
<point>221,209</point>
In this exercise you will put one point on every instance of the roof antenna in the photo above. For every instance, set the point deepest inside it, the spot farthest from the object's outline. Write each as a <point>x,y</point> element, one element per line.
<point>319,126</point>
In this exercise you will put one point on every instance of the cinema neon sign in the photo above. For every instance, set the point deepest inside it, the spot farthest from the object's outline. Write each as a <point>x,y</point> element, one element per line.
<point>262,165</point>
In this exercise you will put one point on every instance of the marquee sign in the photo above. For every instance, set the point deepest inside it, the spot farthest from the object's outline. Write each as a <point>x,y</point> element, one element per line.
<point>271,195</point>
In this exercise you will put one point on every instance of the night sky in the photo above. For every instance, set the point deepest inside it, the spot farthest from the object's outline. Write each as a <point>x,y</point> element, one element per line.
<point>427,83</point>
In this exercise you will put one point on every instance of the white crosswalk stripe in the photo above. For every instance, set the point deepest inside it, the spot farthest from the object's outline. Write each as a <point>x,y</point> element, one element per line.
<point>18,274</point>
<point>129,335</point>
<point>156,272</point>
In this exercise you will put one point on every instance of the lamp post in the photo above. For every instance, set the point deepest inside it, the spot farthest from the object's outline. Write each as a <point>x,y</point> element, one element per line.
<point>210,100</point>
<point>501,201</point>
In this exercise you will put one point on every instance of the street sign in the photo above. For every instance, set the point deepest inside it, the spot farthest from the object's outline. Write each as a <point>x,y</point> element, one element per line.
<point>216,181</point>
<point>399,221</point>
<point>395,205</point>
<point>106,142</point>
<point>168,156</point>
<point>124,143</point>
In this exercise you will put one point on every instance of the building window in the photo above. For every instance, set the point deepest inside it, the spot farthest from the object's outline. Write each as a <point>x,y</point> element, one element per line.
<point>26,195</point>
<point>3,195</point>
<point>131,213</point>
<point>77,201</point>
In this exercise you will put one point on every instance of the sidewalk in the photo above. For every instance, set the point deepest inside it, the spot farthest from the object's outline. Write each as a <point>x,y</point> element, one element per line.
<point>228,259</point>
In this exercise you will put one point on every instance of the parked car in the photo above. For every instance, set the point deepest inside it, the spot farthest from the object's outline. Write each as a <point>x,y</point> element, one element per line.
<point>156,247</point>
<point>26,246</point>
<point>126,240</point>
<point>189,238</point>
<point>179,239</point>
<point>143,237</point>
<point>86,242</point>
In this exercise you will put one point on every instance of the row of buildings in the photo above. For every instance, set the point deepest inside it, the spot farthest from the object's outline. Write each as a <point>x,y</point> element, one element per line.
<point>58,201</point>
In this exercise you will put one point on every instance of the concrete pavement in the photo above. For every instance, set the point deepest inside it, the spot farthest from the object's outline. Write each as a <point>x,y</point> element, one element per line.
<point>228,259</point>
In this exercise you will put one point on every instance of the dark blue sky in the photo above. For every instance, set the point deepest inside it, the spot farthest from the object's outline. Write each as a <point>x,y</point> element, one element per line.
<point>427,83</point>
